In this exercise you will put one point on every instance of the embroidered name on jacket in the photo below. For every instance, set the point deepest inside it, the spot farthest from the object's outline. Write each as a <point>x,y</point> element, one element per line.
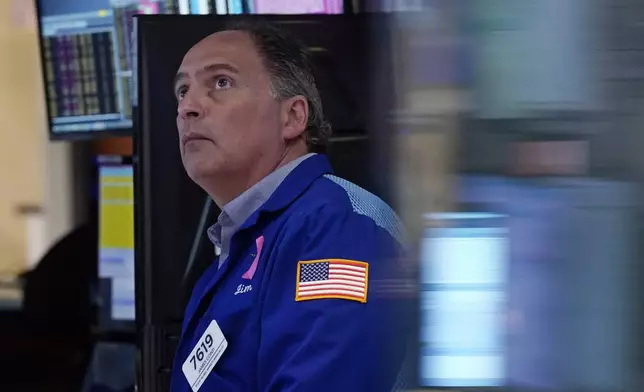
<point>332,278</point>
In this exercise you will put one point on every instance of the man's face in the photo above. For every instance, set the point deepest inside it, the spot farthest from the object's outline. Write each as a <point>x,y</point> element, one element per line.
<point>227,120</point>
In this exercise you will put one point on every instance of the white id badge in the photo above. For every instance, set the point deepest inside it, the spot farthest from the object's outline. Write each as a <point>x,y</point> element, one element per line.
<point>204,356</point>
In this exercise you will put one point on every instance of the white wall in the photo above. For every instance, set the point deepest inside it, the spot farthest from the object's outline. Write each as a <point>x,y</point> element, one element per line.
<point>22,140</point>
<point>58,200</point>
<point>33,172</point>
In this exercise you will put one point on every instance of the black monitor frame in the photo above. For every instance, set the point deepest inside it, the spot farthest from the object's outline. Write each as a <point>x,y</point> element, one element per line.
<point>169,205</point>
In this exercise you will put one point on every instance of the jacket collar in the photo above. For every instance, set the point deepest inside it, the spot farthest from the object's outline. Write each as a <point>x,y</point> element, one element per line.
<point>298,180</point>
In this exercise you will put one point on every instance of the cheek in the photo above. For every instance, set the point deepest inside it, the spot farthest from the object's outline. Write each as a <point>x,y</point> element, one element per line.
<point>253,122</point>
<point>266,121</point>
<point>246,124</point>
<point>179,132</point>
<point>179,122</point>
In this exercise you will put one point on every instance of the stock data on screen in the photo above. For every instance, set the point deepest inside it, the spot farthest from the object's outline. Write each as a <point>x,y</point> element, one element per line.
<point>116,237</point>
<point>462,300</point>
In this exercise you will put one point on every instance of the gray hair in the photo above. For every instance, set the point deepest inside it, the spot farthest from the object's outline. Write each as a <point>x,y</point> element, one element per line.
<point>288,62</point>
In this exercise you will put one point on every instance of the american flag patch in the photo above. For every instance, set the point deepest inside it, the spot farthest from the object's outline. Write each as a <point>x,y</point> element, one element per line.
<point>332,278</point>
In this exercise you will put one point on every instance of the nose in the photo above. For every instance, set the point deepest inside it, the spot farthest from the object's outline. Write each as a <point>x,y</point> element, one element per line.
<point>190,108</point>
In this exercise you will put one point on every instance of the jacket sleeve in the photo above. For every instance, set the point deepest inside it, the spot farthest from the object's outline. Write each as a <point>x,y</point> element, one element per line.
<point>332,344</point>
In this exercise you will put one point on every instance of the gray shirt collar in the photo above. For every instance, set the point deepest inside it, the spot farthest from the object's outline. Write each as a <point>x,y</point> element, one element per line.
<point>235,213</point>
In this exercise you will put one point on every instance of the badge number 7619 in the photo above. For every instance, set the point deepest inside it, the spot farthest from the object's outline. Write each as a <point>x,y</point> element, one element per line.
<point>198,356</point>
<point>205,354</point>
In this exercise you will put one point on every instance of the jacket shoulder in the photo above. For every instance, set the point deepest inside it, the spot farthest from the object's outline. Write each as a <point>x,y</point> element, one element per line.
<point>335,195</point>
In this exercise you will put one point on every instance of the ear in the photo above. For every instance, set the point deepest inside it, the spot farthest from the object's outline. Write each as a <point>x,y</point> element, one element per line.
<point>295,115</point>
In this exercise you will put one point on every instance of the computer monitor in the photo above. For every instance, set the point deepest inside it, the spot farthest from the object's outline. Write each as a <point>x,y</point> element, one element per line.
<point>116,243</point>
<point>276,7</point>
<point>297,7</point>
<point>464,289</point>
<point>86,49</point>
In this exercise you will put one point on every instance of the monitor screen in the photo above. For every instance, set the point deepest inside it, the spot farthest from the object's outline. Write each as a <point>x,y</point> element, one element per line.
<point>116,240</point>
<point>297,7</point>
<point>464,287</point>
<point>463,295</point>
<point>86,49</point>
<point>277,7</point>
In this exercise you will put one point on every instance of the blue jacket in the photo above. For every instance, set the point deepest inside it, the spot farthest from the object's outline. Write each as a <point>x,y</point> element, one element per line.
<point>298,299</point>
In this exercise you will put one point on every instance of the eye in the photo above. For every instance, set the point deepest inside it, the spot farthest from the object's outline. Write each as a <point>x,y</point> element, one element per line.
<point>181,92</point>
<point>222,83</point>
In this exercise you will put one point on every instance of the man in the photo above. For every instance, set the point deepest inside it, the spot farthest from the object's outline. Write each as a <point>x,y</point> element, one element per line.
<point>289,304</point>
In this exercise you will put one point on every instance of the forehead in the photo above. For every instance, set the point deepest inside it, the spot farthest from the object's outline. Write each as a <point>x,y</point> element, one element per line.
<point>233,47</point>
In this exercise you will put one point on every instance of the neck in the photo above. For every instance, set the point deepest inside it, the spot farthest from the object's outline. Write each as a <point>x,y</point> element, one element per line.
<point>238,183</point>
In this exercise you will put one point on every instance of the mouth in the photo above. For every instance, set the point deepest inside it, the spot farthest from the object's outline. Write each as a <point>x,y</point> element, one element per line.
<point>192,137</point>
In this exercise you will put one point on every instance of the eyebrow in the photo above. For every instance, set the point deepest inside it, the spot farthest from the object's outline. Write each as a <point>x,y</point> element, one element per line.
<point>207,69</point>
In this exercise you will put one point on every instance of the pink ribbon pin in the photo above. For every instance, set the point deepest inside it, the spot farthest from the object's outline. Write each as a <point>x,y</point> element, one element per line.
<point>259,242</point>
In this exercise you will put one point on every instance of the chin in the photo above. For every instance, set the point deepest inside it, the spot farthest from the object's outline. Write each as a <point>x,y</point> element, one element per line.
<point>201,168</point>
<point>199,171</point>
